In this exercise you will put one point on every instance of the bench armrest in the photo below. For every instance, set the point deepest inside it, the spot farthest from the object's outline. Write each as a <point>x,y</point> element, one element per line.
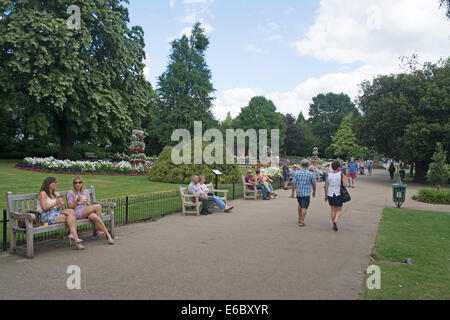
<point>250,185</point>
<point>223,191</point>
<point>107,204</point>
<point>28,216</point>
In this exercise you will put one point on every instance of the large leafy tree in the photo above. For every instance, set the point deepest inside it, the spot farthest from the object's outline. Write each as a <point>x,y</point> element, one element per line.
<point>76,84</point>
<point>326,114</point>
<point>294,143</point>
<point>261,113</point>
<point>185,89</point>
<point>311,140</point>
<point>405,115</point>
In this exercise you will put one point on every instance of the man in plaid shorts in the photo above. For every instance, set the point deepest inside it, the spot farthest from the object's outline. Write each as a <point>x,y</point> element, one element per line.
<point>304,180</point>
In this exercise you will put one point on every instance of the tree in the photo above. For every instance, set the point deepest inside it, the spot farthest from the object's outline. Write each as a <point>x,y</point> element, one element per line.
<point>438,172</point>
<point>227,123</point>
<point>294,142</point>
<point>185,90</point>
<point>405,115</point>
<point>261,114</point>
<point>76,84</point>
<point>345,142</point>
<point>311,140</point>
<point>326,114</point>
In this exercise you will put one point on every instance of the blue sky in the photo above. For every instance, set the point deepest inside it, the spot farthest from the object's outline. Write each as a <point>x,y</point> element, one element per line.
<point>291,50</point>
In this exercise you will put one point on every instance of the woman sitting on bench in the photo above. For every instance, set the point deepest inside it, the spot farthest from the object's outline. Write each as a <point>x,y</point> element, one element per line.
<point>50,210</point>
<point>78,200</point>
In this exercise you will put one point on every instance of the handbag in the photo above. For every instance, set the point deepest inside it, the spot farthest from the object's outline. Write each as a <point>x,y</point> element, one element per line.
<point>36,222</point>
<point>345,195</point>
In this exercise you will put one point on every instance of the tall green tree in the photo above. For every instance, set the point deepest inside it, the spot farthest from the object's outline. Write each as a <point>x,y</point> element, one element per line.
<point>438,172</point>
<point>311,140</point>
<point>75,83</point>
<point>261,113</point>
<point>185,89</point>
<point>345,143</point>
<point>294,142</point>
<point>405,115</point>
<point>326,114</point>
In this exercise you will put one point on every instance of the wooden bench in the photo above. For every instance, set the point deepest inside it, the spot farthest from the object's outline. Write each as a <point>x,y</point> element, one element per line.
<point>90,155</point>
<point>192,201</point>
<point>19,206</point>
<point>250,188</point>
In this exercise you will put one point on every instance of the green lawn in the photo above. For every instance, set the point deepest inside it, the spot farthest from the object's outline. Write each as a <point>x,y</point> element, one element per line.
<point>423,236</point>
<point>106,187</point>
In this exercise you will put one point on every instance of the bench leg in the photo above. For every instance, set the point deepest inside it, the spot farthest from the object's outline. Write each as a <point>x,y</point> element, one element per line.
<point>30,240</point>
<point>112,226</point>
<point>12,237</point>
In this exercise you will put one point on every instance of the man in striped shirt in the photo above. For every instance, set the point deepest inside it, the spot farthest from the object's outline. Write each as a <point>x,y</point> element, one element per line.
<point>304,180</point>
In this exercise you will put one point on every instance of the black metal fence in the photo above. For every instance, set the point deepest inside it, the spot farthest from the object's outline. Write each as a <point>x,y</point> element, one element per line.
<point>130,209</point>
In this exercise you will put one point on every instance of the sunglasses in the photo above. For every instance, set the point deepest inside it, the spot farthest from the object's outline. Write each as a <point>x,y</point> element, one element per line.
<point>78,182</point>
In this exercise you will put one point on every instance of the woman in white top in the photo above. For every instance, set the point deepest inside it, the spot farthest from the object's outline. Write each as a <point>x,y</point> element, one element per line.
<point>50,209</point>
<point>333,192</point>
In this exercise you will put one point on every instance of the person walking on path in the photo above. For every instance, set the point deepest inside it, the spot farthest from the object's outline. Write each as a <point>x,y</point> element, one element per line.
<point>333,193</point>
<point>304,180</point>
<point>391,170</point>
<point>286,174</point>
<point>352,171</point>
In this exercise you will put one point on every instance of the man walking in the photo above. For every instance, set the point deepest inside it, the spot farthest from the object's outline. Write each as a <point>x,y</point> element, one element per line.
<point>352,171</point>
<point>304,180</point>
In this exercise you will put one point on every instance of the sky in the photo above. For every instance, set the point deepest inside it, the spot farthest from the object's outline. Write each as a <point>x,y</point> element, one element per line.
<point>291,50</point>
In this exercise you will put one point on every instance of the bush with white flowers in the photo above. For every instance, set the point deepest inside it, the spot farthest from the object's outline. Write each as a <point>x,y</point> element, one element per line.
<point>100,166</point>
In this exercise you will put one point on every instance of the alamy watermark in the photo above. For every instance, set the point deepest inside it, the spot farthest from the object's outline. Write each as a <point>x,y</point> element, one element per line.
<point>74,21</point>
<point>258,151</point>
<point>74,280</point>
<point>374,280</point>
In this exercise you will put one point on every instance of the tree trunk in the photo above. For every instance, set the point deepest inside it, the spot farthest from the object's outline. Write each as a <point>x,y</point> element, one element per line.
<point>66,139</point>
<point>421,171</point>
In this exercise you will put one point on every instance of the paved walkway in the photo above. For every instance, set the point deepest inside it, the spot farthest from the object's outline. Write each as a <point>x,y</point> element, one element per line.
<point>256,252</point>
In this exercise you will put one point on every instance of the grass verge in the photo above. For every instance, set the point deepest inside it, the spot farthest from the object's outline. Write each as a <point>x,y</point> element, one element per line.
<point>423,236</point>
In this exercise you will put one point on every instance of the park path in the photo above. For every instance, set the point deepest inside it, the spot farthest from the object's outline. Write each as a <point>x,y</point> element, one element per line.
<point>256,252</point>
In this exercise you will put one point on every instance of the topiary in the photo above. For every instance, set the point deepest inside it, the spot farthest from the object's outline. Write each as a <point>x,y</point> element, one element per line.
<point>164,170</point>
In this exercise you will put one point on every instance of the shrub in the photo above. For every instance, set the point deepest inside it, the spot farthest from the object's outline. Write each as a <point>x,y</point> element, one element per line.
<point>434,196</point>
<point>164,170</point>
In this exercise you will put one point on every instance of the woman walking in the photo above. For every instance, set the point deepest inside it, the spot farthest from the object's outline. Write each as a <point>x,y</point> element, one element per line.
<point>333,193</point>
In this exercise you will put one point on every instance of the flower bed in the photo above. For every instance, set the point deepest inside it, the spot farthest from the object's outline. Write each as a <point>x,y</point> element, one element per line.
<point>52,165</point>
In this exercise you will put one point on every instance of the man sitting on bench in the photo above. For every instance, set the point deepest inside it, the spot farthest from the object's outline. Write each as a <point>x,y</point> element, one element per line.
<point>194,188</point>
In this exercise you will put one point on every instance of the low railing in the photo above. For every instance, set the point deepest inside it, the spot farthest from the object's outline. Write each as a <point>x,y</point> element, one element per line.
<point>130,209</point>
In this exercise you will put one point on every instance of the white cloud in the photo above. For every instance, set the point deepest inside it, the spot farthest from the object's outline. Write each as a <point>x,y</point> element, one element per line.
<point>274,37</point>
<point>350,31</point>
<point>172,3</point>
<point>233,100</point>
<point>289,10</point>
<point>252,48</point>
<point>376,32</point>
